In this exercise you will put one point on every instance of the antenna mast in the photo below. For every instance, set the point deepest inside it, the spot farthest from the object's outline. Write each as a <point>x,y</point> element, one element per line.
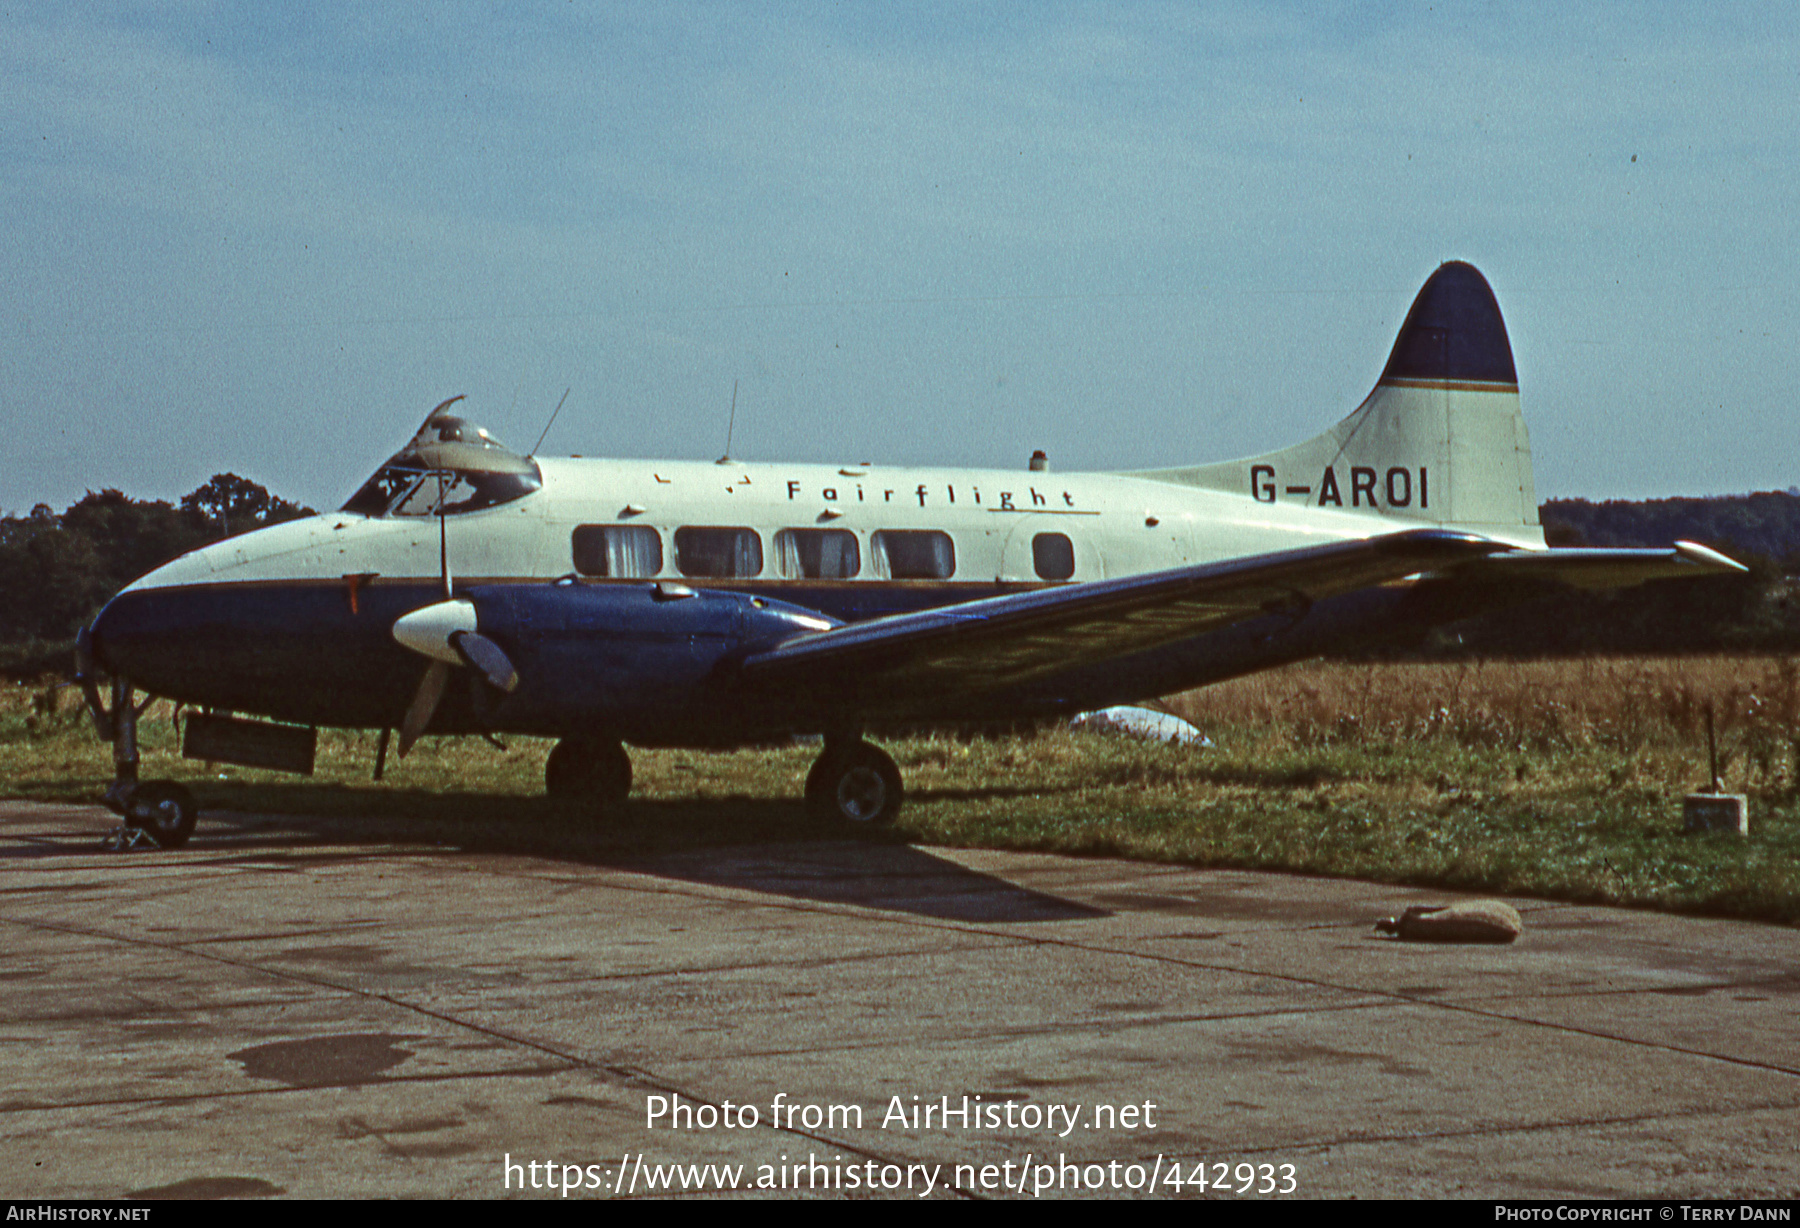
<point>551,423</point>
<point>730,426</point>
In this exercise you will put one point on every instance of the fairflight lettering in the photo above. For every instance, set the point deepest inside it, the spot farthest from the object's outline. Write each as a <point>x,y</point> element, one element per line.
<point>1010,501</point>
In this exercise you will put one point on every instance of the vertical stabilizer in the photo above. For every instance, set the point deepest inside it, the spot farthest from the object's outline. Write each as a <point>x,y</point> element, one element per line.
<point>1440,440</point>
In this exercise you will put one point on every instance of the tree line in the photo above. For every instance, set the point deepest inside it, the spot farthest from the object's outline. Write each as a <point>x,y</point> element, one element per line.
<point>58,569</point>
<point>1762,528</point>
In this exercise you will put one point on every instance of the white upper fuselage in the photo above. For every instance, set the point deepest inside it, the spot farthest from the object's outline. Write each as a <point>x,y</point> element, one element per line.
<point>1116,524</point>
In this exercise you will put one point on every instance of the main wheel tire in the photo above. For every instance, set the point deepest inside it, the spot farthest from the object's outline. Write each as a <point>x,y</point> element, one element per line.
<point>588,773</point>
<point>164,810</point>
<point>856,787</point>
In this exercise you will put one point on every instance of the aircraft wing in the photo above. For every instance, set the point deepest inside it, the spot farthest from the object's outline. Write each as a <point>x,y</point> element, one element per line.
<point>999,641</point>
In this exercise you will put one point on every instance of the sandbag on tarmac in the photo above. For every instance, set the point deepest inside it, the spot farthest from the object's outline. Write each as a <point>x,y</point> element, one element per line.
<point>1474,921</point>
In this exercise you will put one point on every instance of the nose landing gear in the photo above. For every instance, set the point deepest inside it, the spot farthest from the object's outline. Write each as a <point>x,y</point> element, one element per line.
<point>159,812</point>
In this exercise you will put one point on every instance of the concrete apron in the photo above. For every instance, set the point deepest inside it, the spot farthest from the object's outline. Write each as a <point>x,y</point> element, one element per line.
<point>325,1008</point>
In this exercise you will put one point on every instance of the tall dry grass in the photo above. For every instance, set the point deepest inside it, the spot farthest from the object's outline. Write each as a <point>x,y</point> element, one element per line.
<point>1628,705</point>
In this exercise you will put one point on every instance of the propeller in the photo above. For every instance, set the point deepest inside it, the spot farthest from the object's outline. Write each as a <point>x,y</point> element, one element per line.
<point>445,632</point>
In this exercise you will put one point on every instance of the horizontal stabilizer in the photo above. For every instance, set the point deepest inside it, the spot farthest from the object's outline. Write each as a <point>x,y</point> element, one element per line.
<point>1599,569</point>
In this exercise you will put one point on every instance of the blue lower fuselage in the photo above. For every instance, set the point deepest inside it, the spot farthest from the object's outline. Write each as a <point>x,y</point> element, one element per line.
<point>616,657</point>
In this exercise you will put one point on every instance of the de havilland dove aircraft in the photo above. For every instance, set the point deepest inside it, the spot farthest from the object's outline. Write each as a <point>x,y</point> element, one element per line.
<point>468,589</point>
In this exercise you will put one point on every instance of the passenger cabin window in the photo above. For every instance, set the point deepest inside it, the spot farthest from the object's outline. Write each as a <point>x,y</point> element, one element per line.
<point>617,550</point>
<point>718,554</point>
<point>913,554</point>
<point>817,554</point>
<point>1053,555</point>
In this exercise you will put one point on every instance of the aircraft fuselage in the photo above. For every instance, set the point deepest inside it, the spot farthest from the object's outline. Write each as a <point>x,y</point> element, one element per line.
<point>294,621</point>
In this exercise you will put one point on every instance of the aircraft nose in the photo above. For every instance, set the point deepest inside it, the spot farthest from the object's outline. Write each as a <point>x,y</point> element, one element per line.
<point>301,649</point>
<point>180,630</point>
<point>143,634</point>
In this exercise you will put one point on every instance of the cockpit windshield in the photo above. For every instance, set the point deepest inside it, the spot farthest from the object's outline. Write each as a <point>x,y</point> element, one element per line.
<point>451,466</point>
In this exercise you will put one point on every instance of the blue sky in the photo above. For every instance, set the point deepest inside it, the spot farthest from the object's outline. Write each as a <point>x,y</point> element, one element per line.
<point>267,238</point>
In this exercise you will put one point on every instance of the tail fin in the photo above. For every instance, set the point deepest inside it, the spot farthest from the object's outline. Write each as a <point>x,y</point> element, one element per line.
<point>1440,439</point>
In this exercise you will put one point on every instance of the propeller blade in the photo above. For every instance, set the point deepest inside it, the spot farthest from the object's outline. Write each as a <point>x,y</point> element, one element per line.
<point>486,658</point>
<point>424,705</point>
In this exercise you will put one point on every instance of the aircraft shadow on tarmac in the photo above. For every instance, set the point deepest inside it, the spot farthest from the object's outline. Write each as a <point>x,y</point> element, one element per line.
<point>746,843</point>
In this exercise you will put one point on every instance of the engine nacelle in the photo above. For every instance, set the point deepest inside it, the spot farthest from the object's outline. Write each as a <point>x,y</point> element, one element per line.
<point>604,655</point>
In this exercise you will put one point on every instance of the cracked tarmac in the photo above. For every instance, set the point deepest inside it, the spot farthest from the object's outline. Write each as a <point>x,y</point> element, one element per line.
<point>283,1008</point>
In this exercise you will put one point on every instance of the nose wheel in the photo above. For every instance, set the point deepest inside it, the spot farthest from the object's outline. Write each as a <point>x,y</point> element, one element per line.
<point>854,785</point>
<point>163,810</point>
<point>591,772</point>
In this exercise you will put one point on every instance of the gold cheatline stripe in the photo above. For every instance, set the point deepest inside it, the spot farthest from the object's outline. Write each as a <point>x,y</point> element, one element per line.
<point>1453,385</point>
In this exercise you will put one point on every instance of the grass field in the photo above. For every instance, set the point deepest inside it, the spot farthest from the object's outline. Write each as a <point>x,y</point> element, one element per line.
<point>1554,779</point>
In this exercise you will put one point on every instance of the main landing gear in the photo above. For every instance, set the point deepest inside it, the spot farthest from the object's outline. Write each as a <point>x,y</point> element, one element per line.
<point>591,772</point>
<point>854,785</point>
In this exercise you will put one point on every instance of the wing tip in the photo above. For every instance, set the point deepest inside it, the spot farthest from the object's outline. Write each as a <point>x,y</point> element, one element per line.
<point>1707,558</point>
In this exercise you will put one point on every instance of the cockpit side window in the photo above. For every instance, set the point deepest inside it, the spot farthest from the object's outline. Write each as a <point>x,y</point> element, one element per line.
<point>380,491</point>
<point>395,491</point>
<point>424,497</point>
<point>451,466</point>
